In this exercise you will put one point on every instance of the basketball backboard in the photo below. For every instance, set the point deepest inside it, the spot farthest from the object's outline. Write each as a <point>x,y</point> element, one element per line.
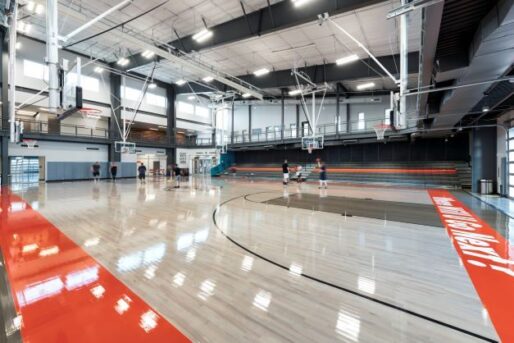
<point>313,142</point>
<point>71,96</point>
<point>125,147</point>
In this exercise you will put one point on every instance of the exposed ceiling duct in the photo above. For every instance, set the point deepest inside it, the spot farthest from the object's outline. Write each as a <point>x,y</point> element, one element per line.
<point>491,55</point>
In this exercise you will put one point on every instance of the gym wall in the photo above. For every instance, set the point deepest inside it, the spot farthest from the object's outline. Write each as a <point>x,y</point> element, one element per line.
<point>455,149</point>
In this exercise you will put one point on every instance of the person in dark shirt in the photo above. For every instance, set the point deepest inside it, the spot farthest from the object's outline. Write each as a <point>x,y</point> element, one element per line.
<point>142,173</point>
<point>285,171</point>
<point>177,174</point>
<point>95,169</point>
<point>323,176</point>
<point>114,171</point>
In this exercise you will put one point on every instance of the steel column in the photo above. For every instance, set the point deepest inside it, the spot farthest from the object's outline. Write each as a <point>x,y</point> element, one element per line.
<point>4,70</point>
<point>283,113</point>
<point>249,123</point>
<point>171,124</point>
<point>232,129</point>
<point>404,68</point>
<point>52,55</point>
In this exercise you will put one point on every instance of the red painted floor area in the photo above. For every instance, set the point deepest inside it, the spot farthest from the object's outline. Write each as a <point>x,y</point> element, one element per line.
<point>64,295</point>
<point>487,256</point>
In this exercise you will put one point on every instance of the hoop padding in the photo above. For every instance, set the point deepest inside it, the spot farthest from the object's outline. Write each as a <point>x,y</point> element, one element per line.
<point>380,130</point>
<point>125,147</point>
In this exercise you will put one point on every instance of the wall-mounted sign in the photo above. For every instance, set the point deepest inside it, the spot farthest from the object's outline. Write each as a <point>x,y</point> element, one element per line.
<point>182,158</point>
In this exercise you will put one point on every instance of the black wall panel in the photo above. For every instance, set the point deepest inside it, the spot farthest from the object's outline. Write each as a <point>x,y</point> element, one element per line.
<point>440,149</point>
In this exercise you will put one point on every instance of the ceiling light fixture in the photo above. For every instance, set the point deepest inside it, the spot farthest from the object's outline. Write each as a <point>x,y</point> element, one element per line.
<point>208,79</point>
<point>366,86</point>
<point>23,27</point>
<point>298,3</point>
<point>347,59</point>
<point>123,61</point>
<point>180,82</point>
<point>246,95</point>
<point>152,85</point>
<point>99,70</point>
<point>295,92</point>
<point>191,97</point>
<point>202,36</point>
<point>18,45</point>
<point>39,9</point>
<point>261,72</point>
<point>485,109</point>
<point>148,54</point>
<point>31,5</point>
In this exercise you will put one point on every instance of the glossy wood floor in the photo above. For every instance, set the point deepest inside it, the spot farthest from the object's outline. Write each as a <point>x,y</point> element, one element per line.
<point>267,273</point>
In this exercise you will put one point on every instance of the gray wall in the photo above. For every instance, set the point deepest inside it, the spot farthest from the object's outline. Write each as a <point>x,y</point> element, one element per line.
<point>66,171</point>
<point>483,156</point>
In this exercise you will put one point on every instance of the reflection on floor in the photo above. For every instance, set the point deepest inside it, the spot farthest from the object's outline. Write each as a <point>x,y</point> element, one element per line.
<point>505,205</point>
<point>403,282</point>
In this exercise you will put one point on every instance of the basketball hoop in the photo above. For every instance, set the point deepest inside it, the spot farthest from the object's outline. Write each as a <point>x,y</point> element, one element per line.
<point>90,116</point>
<point>30,143</point>
<point>380,130</point>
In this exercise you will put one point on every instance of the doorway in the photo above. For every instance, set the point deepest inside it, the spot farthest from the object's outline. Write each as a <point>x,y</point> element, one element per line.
<point>25,170</point>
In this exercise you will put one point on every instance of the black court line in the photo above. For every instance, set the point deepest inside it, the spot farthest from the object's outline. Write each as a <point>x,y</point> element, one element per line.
<point>344,289</point>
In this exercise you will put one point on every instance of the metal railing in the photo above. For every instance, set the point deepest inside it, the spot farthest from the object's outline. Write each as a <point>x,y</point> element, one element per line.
<point>289,134</point>
<point>42,127</point>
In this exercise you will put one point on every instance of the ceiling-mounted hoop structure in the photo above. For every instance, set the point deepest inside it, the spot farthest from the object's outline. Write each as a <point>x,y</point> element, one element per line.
<point>312,90</point>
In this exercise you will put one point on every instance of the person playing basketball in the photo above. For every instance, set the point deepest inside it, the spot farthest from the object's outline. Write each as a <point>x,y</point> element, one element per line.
<point>285,171</point>
<point>322,175</point>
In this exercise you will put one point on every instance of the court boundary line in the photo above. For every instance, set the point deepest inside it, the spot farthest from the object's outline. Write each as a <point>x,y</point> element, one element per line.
<point>341,288</point>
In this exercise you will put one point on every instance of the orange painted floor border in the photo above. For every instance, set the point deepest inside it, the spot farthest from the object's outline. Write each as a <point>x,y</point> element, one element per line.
<point>487,256</point>
<point>62,294</point>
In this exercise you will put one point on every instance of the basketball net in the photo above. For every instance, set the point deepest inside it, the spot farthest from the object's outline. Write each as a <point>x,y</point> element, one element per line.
<point>90,117</point>
<point>380,130</point>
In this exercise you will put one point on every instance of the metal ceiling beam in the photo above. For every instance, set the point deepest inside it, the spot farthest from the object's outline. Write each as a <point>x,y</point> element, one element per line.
<point>187,64</point>
<point>276,17</point>
<point>333,73</point>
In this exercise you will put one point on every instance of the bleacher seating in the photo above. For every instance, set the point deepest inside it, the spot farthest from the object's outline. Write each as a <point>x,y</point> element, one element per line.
<point>448,174</point>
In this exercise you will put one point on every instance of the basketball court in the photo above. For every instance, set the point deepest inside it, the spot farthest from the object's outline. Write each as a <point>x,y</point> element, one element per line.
<point>257,171</point>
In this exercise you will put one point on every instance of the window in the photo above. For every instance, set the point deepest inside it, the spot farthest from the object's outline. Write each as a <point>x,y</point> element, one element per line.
<point>293,130</point>
<point>203,112</point>
<point>387,118</point>
<point>185,108</point>
<point>130,93</point>
<point>35,70</point>
<point>88,83</point>
<point>156,100</point>
<point>361,125</point>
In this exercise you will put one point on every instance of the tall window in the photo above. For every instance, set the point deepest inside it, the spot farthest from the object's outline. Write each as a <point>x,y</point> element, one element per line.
<point>35,70</point>
<point>188,109</point>
<point>150,98</point>
<point>361,124</point>
<point>88,83</point>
